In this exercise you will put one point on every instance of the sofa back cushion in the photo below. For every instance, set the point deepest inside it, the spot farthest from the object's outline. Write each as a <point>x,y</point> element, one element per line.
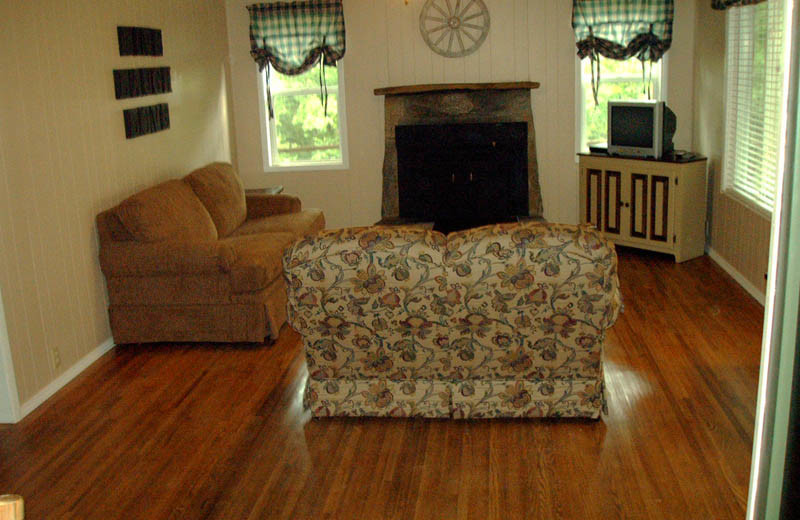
<point>368,304</point>
<point>505,302</point>
<point>538,298</point>
<point>220,190</point>
<point>169,210</point>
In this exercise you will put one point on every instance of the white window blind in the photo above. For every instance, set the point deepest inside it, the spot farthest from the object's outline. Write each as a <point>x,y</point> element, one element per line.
<point>754,101</point>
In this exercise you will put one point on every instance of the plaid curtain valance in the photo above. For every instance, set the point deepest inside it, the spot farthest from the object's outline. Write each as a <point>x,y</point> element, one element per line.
<point>292,36</point>
<point>724,4</point>
<point>622,29</point>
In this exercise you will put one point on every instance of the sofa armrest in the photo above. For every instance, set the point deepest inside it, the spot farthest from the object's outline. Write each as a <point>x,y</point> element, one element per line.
<point>262,205</point>
<point>169,257</point>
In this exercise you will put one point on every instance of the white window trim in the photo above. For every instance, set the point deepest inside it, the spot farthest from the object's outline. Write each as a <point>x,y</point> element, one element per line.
<point>580,102</point>
<point>266,131</point>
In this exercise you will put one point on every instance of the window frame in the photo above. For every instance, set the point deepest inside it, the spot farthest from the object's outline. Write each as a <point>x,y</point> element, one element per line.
<point>727,186</point>
<point>581,100</point>
<point>268,135</point>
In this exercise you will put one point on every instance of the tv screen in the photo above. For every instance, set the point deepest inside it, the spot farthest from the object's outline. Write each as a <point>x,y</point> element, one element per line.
<point>632,126</point>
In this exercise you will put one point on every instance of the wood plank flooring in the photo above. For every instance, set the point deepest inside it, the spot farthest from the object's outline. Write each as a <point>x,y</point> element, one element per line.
<point>209,431</point>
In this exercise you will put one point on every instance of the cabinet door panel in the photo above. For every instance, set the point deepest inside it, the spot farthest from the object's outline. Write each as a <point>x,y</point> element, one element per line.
<point>612,201</point>
<point>594,188</point>
<point>659,208</point>
<point>639,190</point>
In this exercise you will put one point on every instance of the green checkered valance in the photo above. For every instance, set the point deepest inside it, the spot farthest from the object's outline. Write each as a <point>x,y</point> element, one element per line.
<point>622,29</point>
<point>292,36</point>
<point>724,4</point>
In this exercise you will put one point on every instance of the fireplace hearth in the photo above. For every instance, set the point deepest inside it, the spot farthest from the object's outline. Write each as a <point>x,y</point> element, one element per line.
<point>462,175</point>
<point>459,155</point>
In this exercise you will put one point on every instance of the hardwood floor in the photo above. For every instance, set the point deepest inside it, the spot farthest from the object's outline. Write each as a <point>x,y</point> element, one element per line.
<point>200,431</point>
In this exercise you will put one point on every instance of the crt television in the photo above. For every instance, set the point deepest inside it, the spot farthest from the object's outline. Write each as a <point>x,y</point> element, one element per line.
<point>640,128</point>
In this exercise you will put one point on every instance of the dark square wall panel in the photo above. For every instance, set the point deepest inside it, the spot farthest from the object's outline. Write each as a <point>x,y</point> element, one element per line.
<point>130,83</point>
<point>146,120</point>
<point>139,41</point>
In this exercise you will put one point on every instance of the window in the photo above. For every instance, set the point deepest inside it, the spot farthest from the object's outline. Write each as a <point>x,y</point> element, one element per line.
<point>301,135</point>
<point>619,80</point>
<point>753,102</point>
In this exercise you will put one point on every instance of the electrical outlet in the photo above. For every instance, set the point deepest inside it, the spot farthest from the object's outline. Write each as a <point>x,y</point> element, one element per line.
<point>56,357</point>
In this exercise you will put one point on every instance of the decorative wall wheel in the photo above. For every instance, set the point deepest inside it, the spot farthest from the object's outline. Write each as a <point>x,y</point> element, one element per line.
<point>454,28</point>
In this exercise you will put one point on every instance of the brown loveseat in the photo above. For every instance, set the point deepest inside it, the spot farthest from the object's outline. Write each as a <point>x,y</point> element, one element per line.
<point>195,259</point>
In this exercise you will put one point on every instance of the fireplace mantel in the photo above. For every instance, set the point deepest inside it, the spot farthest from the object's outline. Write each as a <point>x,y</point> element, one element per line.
<point>445,87</point>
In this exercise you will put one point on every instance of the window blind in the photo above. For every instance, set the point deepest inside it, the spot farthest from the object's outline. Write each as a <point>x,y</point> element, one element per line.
<point>754,101</point>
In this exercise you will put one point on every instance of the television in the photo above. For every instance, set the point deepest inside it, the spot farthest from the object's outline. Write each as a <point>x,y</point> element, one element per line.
<point>640,129</point>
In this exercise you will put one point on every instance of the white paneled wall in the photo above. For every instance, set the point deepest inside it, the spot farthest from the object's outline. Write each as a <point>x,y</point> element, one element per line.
<point>64,157</point>
<point>529,40</point>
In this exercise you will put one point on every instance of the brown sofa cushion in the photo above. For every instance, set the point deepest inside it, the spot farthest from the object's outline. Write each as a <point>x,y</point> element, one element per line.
<point>257,259</point>
<point>119,259</point>
<point>169,210</point>
<point>298,224</point>
<point>220,190</point>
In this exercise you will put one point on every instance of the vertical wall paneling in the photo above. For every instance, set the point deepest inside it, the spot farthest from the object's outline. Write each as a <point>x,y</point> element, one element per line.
<point>503,36</point>
<point>422,64</point>
<point>407,25</point>
<point>521,48</point>
<point>64,158</point>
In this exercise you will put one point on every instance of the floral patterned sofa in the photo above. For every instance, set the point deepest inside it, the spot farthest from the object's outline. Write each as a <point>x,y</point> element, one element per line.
<point>498,321</point>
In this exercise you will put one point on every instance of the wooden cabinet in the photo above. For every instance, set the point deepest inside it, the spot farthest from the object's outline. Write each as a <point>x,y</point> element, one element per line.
<point>655,205</point>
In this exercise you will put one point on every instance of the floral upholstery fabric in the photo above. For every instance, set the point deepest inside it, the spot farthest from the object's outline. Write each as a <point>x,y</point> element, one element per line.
<point>498,321</point>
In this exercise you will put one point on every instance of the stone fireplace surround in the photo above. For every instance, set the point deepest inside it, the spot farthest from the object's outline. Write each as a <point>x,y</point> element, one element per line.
<point>455,104</point>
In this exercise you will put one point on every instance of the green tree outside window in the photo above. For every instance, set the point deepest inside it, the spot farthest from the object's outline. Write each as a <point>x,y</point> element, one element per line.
<point>620,80</point>
<point>301,131</point>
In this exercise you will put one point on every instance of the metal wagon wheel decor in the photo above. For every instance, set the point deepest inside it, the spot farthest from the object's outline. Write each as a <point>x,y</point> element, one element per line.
<point>454,28</point>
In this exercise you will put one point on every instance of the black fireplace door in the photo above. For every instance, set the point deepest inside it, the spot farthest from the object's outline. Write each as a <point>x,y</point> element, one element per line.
<point>463,175</point>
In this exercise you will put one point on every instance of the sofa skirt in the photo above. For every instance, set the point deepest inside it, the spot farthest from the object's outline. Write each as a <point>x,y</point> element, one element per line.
<point>250,322</point>
<point>470,399</point>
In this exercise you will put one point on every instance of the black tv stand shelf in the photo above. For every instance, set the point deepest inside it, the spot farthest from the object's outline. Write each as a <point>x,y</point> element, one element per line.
<point>686,157</point>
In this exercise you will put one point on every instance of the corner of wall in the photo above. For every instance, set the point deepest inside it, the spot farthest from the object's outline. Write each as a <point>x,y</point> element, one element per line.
<point>9,397</point>
<point>61,381</point>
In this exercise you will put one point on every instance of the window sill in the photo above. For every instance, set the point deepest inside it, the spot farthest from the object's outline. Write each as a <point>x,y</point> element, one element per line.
<point>310,167</point>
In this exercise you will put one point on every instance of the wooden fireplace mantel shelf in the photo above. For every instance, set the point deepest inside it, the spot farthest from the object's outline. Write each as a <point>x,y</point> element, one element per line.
<point>443,87</point>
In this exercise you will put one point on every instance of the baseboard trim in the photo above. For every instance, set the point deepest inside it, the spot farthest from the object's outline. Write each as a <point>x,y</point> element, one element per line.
<point>736,275</point>
<point>68,375</point>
